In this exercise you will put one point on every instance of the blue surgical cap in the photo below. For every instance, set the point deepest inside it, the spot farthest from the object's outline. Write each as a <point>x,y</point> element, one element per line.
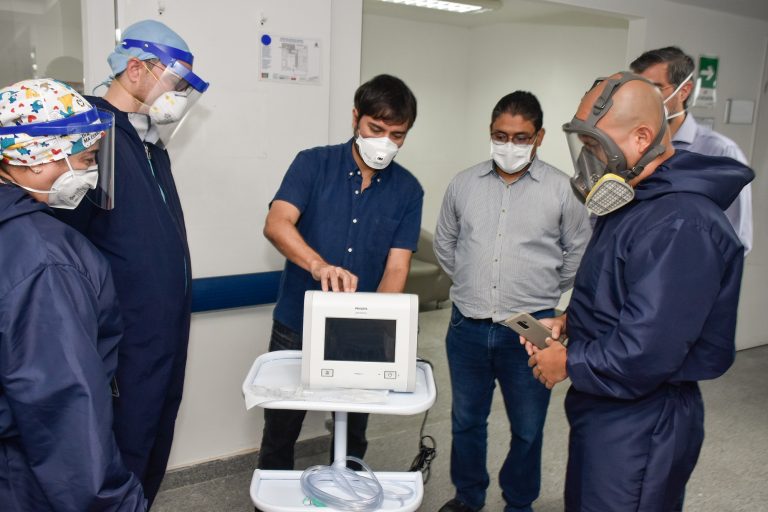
<point>148,30</point>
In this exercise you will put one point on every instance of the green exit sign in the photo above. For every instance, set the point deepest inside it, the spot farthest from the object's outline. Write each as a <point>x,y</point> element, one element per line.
<point>708,71</point>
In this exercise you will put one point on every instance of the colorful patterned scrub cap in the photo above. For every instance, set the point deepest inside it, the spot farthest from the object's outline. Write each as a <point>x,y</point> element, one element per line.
<point>40,101</point>
<point>150,31</point>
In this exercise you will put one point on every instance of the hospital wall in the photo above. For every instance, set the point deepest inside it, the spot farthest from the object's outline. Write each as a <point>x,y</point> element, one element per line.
<point>231,155</point>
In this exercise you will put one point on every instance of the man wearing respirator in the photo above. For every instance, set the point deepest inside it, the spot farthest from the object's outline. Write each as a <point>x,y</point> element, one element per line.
<point>654,304</point>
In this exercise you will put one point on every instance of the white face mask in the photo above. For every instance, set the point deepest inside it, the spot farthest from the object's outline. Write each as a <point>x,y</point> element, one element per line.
<point>676,114</point>
<point>69,188</point>
<point>169,107</point>
<point>376,152</point>
<point>511,157</point>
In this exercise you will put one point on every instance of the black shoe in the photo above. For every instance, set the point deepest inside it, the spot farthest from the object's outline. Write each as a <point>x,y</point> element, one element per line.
<point>456,506</point>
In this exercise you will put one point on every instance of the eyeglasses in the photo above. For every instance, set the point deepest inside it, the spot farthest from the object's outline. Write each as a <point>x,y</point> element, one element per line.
<point>175,82</point>
<point>520,139</point>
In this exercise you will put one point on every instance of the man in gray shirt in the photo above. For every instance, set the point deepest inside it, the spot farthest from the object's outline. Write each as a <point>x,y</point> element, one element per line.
<point>510,235</point>
<point>672,71</point>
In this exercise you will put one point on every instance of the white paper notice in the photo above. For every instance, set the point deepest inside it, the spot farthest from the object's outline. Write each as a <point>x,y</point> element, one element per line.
<point>290,59</point>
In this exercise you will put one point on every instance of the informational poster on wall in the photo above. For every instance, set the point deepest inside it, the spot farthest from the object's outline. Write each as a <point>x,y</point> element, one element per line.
<point>290,59</point>
<point>707,81</point>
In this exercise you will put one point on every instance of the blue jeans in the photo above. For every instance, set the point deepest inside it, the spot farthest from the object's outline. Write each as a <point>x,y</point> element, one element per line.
<point>282,427</point>
<point>481,353</point>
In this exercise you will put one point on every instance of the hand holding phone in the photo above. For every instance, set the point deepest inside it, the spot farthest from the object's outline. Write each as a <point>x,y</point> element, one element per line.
<point>526,325</point>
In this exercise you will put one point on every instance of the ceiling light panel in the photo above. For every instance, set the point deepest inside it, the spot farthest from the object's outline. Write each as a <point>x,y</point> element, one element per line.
<point>458,7</point>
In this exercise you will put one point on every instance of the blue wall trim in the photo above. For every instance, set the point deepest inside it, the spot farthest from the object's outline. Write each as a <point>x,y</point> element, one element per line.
<point>224,292</point>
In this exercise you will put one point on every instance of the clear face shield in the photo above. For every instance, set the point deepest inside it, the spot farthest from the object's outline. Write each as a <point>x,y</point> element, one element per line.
<point>91,158</point>
<point>602,175</point>
<point>176,90</point>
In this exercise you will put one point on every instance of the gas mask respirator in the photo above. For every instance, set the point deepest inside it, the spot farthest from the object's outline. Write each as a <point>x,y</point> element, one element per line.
<point>601,179</point>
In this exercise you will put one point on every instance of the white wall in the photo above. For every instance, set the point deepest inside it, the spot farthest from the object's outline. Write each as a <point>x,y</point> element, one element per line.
<point>755,283</point>
<point>458,74</point>
<point>49,30</point>
<point>98,41</point>
<point>432,60</point>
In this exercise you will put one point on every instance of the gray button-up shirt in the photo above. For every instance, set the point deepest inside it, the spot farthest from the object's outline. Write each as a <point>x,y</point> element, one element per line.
<point>510,248</point>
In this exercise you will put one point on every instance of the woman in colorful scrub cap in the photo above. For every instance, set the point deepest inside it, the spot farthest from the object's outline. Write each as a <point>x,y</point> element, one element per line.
<point>60,322</point>
<point>53,142</point>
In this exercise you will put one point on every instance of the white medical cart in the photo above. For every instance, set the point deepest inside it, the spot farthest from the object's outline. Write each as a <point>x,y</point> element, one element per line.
<point>280,491</point>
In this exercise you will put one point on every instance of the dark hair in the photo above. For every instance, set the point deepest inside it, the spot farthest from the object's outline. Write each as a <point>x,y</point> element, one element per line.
<point>521,103</point>
<point>679,65</point>
<point>386,97</point>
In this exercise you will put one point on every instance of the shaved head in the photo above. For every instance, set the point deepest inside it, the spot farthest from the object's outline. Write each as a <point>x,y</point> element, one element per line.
<point>634,119</point>
<point>635,103</point>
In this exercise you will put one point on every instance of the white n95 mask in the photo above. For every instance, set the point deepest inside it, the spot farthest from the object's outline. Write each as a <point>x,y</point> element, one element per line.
<point>511,157</point>
<point>376,152</point>
<point>169,107</point>
<point>70,188</point>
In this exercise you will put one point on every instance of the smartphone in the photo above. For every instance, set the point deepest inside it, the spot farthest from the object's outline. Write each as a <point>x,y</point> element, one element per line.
<point>533,330</point>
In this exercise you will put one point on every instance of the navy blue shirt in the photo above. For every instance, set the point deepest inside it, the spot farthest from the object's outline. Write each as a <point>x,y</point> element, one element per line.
<point>347,227</point>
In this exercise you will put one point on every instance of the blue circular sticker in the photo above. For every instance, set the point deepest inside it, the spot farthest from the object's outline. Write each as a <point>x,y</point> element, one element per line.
<point>266,40</point>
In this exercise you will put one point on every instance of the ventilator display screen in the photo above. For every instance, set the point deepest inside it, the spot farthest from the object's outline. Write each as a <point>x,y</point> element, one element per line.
<point>360,339</point>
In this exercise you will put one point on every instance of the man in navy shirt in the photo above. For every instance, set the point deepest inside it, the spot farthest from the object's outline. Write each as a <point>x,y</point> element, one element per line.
<point>346,218</point>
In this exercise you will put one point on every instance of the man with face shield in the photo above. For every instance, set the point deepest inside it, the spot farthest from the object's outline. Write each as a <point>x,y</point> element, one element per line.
<point>145,240</point>
<point>347,218</point>
<point>653,308</point>
<point>672,72</point>
<point>511,235</point>
<point>59,318</point>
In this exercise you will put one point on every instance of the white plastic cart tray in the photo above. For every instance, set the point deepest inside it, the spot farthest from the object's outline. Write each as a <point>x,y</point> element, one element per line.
<point>280,491</point>
<point>273,491</point>
<point>281,370</point>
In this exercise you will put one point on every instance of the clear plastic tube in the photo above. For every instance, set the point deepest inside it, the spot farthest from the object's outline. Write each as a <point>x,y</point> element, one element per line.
<point>339,487</point>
